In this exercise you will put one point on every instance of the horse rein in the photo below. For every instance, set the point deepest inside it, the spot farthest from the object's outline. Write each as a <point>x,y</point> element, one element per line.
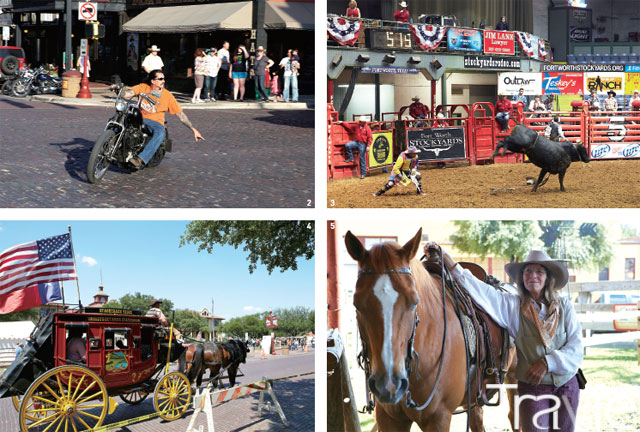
<point>411,355</point>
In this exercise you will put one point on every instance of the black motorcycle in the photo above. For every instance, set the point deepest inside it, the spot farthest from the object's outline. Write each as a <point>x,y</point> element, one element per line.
<point>124,137</point>
<point>35,81</point>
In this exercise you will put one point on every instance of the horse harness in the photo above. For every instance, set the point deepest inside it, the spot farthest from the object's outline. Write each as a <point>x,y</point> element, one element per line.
<point>485,362</point>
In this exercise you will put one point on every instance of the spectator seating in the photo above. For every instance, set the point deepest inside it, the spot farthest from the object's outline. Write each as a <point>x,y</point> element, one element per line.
<point>615,58</point>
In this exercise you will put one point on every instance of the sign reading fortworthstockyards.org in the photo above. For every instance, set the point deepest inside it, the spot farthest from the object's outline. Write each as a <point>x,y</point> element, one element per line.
<point>510,83</point>
<point>582,68</point>
<point>499,42</point>
<point>489,62</point>
<point>438,144</point>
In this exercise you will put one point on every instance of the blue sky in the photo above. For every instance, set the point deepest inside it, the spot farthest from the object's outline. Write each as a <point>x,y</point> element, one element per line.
<point>144,256</point>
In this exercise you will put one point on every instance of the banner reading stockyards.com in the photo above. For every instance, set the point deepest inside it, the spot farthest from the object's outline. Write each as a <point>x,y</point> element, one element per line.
<point>510,83</point>
<point>489,62</point>
<point>438,144</point>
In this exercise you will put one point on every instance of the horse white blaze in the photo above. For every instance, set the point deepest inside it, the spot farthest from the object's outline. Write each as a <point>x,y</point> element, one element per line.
<point>384,292</point>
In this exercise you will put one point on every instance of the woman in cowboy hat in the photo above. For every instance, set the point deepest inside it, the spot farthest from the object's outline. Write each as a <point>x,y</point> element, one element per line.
<point>404,171</point>
<point>546,332</point>
<point>402,14</point>
<point>153,60</point>
<point>611,104</point>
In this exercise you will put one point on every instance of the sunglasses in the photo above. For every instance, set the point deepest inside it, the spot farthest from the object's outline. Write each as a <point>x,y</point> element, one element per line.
<point>159,79</point>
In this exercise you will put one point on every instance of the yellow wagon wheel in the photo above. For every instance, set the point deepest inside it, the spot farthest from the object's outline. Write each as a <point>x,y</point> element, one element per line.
<point>66,398</point>
<point>135,397</point>
<point>172,396</point>
<point>37,415</point>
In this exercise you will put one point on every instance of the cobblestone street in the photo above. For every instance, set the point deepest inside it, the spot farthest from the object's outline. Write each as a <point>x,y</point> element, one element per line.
<point>251,158</point>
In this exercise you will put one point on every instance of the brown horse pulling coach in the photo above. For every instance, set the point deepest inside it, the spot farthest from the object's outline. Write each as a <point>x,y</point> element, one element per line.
<point>414,349</point>
<point>215,356</point>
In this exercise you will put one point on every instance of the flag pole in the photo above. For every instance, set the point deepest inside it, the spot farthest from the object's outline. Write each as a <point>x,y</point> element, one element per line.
<point>74,267</point>
<point>62,289</point>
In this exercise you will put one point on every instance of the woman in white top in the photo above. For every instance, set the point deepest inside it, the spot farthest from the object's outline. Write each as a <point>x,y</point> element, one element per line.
<point>199,72</point>
<point>546,331</point>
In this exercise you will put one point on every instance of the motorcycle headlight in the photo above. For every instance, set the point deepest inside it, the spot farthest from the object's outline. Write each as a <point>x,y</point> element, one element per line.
<point>120,106</point>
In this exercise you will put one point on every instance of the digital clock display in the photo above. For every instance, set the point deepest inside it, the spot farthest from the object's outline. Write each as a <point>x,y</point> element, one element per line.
<point>392,40</point>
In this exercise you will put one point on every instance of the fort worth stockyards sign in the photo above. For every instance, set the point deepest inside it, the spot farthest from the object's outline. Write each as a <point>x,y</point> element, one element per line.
<point>438,144</point>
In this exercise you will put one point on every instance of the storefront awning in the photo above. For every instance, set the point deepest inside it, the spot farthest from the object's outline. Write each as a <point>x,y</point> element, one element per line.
<point>289,15</point>
<point>192,19</point>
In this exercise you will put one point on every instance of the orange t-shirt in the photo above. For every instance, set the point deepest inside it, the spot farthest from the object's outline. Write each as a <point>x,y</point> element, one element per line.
<point>165,103</point>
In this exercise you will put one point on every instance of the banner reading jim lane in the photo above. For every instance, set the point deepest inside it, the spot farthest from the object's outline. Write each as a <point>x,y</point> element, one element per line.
<point>438,144</point>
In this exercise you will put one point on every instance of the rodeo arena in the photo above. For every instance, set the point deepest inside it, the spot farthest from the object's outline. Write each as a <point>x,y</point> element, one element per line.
<point>428,96</point>
<point>77,364</point>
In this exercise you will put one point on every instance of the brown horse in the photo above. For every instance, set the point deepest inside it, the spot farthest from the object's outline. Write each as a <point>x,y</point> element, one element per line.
<point>393,294</point>
<point>217,357</point>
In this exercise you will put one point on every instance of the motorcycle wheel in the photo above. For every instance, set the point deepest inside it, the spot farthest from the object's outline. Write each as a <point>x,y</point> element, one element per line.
<point>20,88</point>
<point>157,157</point>
<point>6,87</point>
<point>98,163</point>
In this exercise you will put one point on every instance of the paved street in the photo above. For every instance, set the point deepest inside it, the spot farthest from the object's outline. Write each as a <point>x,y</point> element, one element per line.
<point>296,396</point>
<point>251,158</point>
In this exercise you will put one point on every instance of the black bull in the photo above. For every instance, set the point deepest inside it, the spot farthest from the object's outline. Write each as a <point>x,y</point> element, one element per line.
<point>550,156</point>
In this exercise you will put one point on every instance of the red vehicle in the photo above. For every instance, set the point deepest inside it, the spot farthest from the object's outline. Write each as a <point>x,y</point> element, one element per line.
<point>125,356</point>
<point>11,60</point>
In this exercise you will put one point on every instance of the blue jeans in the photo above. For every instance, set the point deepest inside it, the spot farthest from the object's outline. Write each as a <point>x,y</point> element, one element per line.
<point>362,150</point>
<point>503,119</point>
<point>157,139</point>
<point>291,81</point>
<point>262,91</point>
<point>209,90</point>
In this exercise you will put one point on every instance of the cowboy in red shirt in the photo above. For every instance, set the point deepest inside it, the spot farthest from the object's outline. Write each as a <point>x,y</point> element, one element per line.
<point>402,14</point>
<point>417,109</point>
<point>360,133</point>
<point>503,108</point>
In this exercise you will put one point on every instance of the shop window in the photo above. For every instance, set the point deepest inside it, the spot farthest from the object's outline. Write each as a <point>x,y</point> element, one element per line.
<point>76,344</point>
<point>629,269</point>
<point>116,340</point>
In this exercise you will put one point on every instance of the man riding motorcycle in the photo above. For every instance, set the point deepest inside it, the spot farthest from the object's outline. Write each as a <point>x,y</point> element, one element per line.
<point>153,115</point>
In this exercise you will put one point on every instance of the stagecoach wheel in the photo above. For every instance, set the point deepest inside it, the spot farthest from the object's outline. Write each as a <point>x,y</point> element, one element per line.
<point>172,396</point>
<point>98,163</point>
<point>134,398</point>
<point>33,417</point>
<point>66,398</point>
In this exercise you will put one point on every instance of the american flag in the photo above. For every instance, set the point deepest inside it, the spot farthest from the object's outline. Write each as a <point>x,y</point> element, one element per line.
<point>36,262</point>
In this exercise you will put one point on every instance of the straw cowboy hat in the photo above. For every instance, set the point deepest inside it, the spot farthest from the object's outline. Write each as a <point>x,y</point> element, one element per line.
<point>636,91</point>
<point>611,92</point>
<point>403,4</point>
<point>154,48</point>
<point>362,119</point>
<point>555,268</point>
<point>440,116</point>
<point>413,150</point>
<point>415,98</point>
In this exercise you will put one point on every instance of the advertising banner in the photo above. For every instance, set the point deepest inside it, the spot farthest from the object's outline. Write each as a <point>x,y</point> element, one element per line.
<point>381,150</point>
<point>132,51</point>
<point>631,83</point>
<point>580,34</point>
<point>438,144</point>
<point>615,150</point>
<point>547,67</point>
<point>499,42</point>
<point>510,82</point>
<point>632,68</point>
<point>603,82</point>
<point>491,62</point>
<point>568,83</point>
<point>459,39</point>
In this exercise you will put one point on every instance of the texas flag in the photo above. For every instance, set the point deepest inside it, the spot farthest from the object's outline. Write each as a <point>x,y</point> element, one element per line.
<point>30,297</point>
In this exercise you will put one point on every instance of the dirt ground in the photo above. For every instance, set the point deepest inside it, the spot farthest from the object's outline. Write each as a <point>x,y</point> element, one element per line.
<point>599,184</point>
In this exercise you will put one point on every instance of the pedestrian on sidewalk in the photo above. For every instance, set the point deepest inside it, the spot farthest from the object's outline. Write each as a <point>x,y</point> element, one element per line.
<point>199,72</point>
<point>81,62</point>
<point>290,66</point>
<point>238,72</point>
<point>223,80</point>
<point>152,61</point>
<point>211,78</point>
<point>260,69</point>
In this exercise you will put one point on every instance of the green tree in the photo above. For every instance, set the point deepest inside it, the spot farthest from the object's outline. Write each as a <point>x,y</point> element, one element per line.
<point>253,324</point>
<point>141,302</point>
<point>293,321</point>
<point>190,322</point>
<point>514,239</point>
<point>629,231</point>
<point>275,244</point>
<point>25,315</point>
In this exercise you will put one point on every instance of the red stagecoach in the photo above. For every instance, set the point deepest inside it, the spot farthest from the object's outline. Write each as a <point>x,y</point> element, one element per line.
<point>125,356</point>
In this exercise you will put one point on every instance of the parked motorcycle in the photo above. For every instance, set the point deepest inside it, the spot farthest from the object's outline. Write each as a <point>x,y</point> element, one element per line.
<point>124,137</point>
<point>35,81</point>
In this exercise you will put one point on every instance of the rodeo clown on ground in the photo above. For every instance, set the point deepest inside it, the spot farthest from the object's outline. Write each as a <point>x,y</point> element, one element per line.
<point>405,170</point>
<point>546,333</point>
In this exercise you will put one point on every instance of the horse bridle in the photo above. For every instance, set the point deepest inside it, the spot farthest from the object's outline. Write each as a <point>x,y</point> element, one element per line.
<point>411,355</point>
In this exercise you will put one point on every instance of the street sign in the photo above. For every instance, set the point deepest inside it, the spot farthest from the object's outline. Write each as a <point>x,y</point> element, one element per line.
<point>83,47</point>
<point>87,11</point>
<point>271,321</point>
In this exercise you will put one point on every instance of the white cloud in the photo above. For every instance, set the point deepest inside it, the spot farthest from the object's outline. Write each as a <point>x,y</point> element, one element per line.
<point>252,309</point>
<point>90,261</point>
